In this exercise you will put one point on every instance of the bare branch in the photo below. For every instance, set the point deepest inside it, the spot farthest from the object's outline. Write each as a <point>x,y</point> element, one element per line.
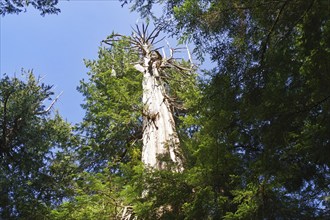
<point>138,31</point>
<point>171,53</point>
<point>189,55</point>
<point>158,40</point>
<point>164,54</point>
<point>139,67</point>
<point>50,106</point>
<point>41,78</point>
<point>155,36</point>
<point>155,32</point>
<point>158,48</point>
<point>178,66</point>
<point>264,48</point>
<point>145,29</point>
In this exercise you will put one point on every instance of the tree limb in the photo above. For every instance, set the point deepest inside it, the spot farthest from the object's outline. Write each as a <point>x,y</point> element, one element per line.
<point>264,48</point>
<point>50,106</point>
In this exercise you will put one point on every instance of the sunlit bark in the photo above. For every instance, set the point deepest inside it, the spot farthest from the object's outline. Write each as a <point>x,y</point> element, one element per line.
<point>160,139</point>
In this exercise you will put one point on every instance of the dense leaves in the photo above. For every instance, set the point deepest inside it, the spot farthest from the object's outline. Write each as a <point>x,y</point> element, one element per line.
<point>255,131</point>
<point>265,111</point>
<point>35,164</point>
<point>110,136</point>
<point>113,123</point>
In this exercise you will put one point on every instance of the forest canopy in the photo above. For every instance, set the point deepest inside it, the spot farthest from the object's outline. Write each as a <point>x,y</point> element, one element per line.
<point>254,130</point>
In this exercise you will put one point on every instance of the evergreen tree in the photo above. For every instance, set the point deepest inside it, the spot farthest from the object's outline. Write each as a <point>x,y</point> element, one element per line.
<point>35,164</point>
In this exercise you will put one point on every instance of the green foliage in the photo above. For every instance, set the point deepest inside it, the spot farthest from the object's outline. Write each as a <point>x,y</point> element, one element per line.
<point>110,151</point>
<point>255,134</point>
<point>110,131</point>
<point>34,150</point>
<point>263,115</point>
<point>96,197</point>
<point>17,6</point>
<point>113,121</point>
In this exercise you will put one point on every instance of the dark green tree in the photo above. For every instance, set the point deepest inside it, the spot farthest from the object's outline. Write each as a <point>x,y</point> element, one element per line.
<point>35,164</point>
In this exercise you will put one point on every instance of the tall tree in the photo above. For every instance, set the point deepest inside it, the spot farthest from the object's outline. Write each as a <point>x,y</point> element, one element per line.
<point>35,164</point>
<point>159,133</point>
<point>112,131</point>
<point>153,118</point>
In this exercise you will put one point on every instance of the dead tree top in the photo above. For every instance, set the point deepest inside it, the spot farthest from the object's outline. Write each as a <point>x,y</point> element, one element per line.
<point>143,42</point>
<point>141,39</point>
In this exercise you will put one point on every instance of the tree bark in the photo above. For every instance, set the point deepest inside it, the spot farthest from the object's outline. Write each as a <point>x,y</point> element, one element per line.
<point>160,139</point>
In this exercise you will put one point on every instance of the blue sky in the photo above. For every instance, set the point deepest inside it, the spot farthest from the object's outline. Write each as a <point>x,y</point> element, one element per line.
<point>54,46</point>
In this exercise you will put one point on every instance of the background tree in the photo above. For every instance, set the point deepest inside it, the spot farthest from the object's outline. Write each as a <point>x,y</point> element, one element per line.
<point>35,162</point>
<point>17,6</point>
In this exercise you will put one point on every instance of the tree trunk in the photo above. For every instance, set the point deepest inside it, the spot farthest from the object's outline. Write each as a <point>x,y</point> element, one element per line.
<point>160,139</point>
